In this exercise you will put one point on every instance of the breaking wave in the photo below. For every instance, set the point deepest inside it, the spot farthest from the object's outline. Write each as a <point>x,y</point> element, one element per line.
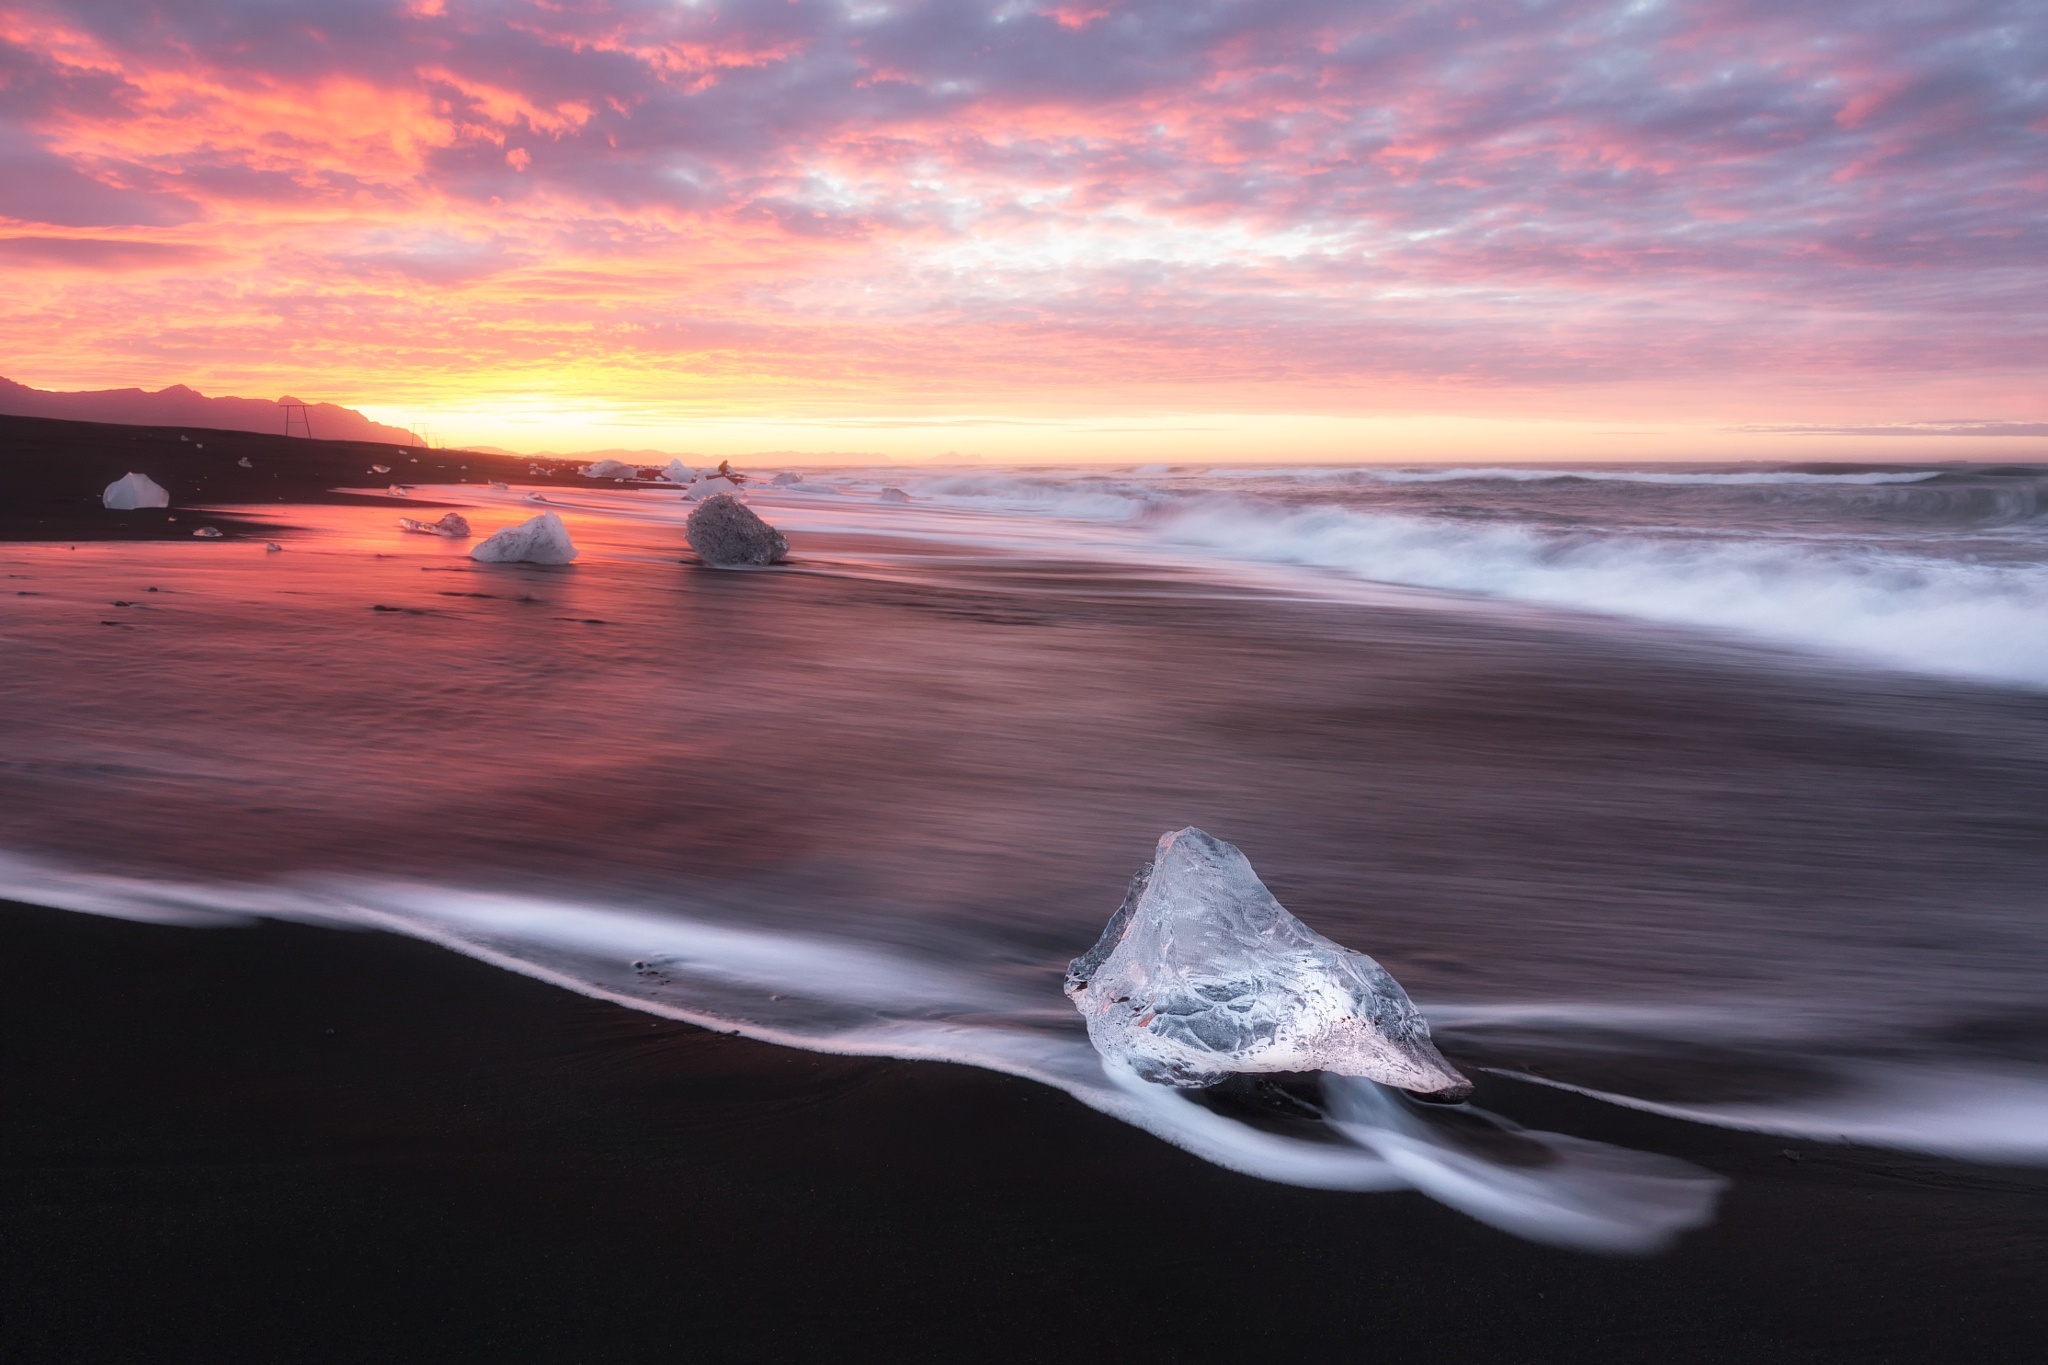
<point>1923,570</point>
<point>862,999</point>
<point>1914,611</point>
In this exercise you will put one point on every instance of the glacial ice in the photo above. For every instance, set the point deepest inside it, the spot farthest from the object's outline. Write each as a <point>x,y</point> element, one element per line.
<point>1201,973</point>
<point>726,532</point>
<point>452,525</point>
<point>244,463</point>
<point>208,533</point>
<point>538,540</point>
<point>786,478</point>
<point>131,492</point>
<point>711,488</point>
<point>894,495</point>
<point>677,472</point>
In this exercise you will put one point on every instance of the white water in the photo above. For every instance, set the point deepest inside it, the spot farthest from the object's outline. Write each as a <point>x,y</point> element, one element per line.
<point>1957,602</point>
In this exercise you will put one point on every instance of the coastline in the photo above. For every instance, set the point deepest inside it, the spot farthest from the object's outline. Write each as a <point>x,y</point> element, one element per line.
<point>473,1165</point>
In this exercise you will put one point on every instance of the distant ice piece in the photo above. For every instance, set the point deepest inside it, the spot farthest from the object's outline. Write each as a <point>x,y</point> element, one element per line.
<point>380,469</point>
<point>785,479</point>
<point>244,463</point>
<point>271,547</point>
<point>536,497</point>
<point>454,526</point>
<point>611,469</point>
<point>207,533</point>
<point>1202,973</point>
<point>725,533</point>
<point>895,495</point>
<point>395,491</point>
<point>678,472</point>
<point>132,492</point>
<point>539,540</point>
<point>711,488</point>
<point>497,487</point>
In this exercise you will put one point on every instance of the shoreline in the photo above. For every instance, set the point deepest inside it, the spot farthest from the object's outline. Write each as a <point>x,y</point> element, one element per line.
<point>237,1128</point>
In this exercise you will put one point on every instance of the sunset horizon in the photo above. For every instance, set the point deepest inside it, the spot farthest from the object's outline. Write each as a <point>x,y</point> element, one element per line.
<point>1025,233</point>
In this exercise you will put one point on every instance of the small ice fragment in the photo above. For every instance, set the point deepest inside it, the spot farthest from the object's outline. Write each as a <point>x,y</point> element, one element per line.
<point>895,495</point>
<point>539,540</point>
<point>1202,973</point>
<point>199,445</point>
<point>711,488</point>
<point>207,532</point>
<point>453,525</point>
<point>536,497</point>
<point>185,438</point>
<point>785,479</point>
<point>380,469</point>
<point>610,469</point>
<point>270,546</point>
<point>725,532</point>
<point>131,492</point>
<point>395,491</point>
<point>497,487</point>
<point>244,463</point>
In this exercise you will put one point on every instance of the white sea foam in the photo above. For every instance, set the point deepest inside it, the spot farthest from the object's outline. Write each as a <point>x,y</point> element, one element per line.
<point>857,999</point>
<point>864,999</point>
<point>1885,604</point>
<point>1732,478</point>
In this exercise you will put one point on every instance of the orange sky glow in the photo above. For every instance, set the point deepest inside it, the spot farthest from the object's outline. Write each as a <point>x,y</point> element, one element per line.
<point>1016,231</point>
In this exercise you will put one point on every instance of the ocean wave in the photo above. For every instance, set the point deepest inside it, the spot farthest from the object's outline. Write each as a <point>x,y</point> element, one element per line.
<point>1672,478</point>
<point>1944,616</point>
<point>859,999</point>
<point>867,999</point>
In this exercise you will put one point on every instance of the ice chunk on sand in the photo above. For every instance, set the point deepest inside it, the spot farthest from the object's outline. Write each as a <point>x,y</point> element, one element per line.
<point>271,547</point>
<point>725,531</point>
<point>380,469</point>
<point>1202,973</point>
<point>395,491</point>
<point>611,469</point>
<point>678,472</point>
<point>207,533</point>
<point>539,540</point>
<point>711,488</point>
<point>895,495</point>
<point>785,479</point>
<point>132,492</point>
<point>454,526</point>
<point>497,487</point>
<point>244,463</point>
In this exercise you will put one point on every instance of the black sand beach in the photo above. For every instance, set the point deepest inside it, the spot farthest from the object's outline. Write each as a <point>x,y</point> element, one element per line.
<point>52,473</point>
<point>281,1142</point>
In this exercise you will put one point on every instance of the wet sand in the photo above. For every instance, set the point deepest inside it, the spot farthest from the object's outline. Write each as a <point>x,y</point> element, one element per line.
<point>280,1142</point>
<point>283,1143</point>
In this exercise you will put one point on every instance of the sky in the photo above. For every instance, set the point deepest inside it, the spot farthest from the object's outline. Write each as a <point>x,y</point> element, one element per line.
<point>1261,229</point>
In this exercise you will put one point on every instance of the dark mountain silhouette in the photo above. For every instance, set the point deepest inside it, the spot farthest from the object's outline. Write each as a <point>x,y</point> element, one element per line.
<point>181,406</point>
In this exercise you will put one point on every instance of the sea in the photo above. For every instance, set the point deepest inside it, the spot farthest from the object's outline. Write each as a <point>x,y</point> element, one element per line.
<point>1714,791</point>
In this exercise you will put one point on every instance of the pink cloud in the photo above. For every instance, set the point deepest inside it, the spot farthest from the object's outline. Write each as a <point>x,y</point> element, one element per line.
<point>979,198</point>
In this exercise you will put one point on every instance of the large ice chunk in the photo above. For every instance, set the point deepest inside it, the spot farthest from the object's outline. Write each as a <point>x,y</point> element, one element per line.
<point>1202,973</point>
<point>611,469</point>
<point>453,525</point>
<point>132,492</point>
<point>726,532</point>
<point>538,540</point>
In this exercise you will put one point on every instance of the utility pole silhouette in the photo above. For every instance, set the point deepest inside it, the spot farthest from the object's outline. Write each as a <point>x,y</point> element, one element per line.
<point>298,411</point>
